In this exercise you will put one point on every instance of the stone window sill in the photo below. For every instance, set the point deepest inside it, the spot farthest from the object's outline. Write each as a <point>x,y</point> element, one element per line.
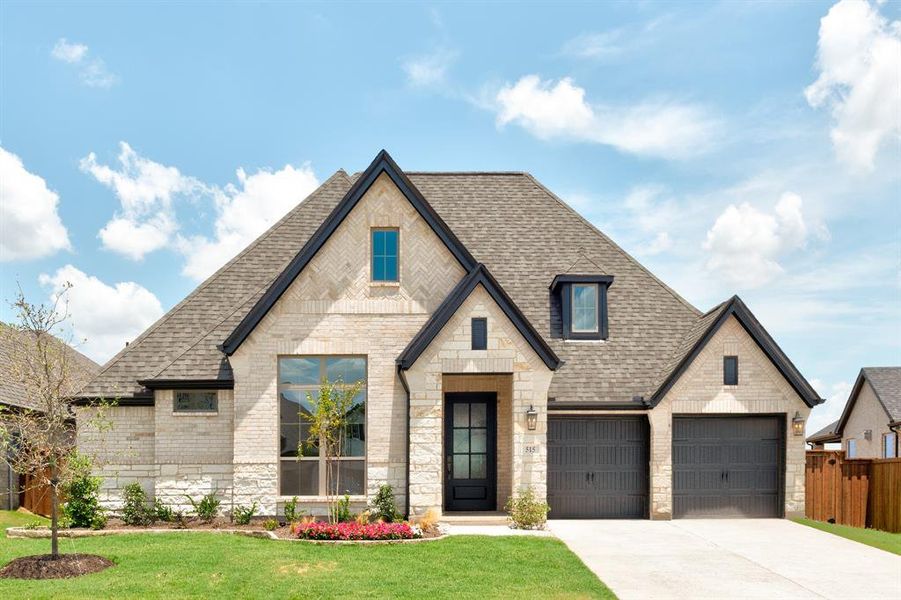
<point>320,499</point>
<point>195,413</point>
<point>387,284</point>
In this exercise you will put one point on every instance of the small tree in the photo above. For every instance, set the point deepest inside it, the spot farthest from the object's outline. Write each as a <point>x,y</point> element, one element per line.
<point>38,441</point>
<point>329,421</point>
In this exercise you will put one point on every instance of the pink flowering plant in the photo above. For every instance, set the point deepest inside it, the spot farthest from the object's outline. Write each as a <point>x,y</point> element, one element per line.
<point>355,531</point>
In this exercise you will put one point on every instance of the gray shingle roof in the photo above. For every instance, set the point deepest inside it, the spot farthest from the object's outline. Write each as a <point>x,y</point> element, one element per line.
<point>524,235</point>
<point>826,434</point>
<point>13,391</point>
<point>886,382</point>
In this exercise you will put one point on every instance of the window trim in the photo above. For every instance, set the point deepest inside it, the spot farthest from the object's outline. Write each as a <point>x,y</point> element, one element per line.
<point>885,436</point>
<point>566,306</point>
<point>197,411</point>
<point>726,360</point>
<point>372,279</point>
<point>848,443</point>
<point>323,483</point>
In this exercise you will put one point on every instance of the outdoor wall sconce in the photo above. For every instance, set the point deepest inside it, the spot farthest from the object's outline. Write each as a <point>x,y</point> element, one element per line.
<point>798,424</point>
<point>868,435</point>
<point>531,418</point>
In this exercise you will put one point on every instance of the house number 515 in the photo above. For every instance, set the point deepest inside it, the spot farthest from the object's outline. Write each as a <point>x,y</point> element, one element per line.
<point>531,449</point>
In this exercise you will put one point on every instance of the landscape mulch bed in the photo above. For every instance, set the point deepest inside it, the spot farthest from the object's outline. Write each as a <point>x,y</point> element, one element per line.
<point>42,566</point>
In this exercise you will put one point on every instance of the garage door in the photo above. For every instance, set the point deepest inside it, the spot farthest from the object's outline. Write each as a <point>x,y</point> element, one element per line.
<point>598,467</point>
<point>727,466</point>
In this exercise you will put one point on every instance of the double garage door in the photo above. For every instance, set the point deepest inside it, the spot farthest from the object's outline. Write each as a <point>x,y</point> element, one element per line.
<point>722,467</point>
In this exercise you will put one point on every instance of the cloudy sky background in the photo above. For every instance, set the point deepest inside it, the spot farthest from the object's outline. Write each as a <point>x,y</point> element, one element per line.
<point>732,148</point>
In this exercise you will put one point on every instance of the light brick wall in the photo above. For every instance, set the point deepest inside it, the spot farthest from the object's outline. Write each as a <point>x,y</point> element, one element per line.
<point>761,389</point>
<point>450,353</point>
<point>867,414</point>
<point>122,448</point>
<point>333,308</point>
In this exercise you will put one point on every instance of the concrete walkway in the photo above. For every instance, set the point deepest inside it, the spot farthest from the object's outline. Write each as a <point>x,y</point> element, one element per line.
<point>749,558</point>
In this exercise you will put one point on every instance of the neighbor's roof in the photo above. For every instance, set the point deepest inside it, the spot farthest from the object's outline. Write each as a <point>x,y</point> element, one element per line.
<point>825,435</point>
<point>886,384</point>
<point>12,390</point>
<point>520,231</point>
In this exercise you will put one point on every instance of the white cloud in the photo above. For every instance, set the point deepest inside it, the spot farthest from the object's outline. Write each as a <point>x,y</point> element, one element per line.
<point>244,213</point>
<point>596,45</point>
<point>859,61</point>
<point>745,243</point>
<point>550,110</point>
<point>836,395</point>
<point>30,226</point>
<point>146,190</point>
<point>104,316</point>
<point>70,53</point>
<point>429,70</point>
<point>92,71</point>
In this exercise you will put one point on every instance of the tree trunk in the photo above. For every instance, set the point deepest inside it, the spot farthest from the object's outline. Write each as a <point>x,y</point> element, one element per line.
<point>54,504</point>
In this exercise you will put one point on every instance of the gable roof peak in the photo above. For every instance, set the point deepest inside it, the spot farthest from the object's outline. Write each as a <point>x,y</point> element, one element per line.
<point>381,164</point>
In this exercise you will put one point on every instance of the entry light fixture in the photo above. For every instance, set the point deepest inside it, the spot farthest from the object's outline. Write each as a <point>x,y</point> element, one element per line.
<point>531,418</point>
<point>798,424</point>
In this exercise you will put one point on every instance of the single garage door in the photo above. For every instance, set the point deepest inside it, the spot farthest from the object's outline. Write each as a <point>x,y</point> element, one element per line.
<point>598,467</point>
<point>727,466</point>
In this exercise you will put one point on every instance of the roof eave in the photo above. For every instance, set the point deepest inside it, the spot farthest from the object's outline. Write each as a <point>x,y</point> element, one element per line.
<point>383,163</point>
<point>735,307</point>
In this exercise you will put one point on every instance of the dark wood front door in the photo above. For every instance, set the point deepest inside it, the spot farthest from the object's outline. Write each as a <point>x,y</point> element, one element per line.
<point>470,442</point>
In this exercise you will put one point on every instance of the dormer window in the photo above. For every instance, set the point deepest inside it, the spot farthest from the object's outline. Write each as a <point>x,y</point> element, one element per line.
<point>585,307</point>
<point>583,304</point>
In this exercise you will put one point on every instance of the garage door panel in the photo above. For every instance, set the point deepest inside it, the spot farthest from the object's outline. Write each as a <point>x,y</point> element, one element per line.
<point>727,466</point>
<point>612,480</point>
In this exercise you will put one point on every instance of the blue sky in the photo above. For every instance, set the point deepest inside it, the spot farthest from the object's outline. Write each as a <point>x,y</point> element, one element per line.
<point>748,148</point>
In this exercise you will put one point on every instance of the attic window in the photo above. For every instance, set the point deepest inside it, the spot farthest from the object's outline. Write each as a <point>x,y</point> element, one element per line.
<point>583,304</point>
<point>384,255</point>
<point>730,370</point>
<point>479,334</point>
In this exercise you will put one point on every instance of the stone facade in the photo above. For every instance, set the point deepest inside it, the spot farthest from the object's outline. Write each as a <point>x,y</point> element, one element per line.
<point>867,414</point>
<point>333,308</point>
<point>761,389</point>
<point>450,353</point>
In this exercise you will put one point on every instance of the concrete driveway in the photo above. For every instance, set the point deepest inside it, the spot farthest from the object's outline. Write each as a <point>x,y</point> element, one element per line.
<point>749,558</point>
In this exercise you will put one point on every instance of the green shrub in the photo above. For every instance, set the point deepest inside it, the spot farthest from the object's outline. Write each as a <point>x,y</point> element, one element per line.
<point>242,515</point>
<point>291,513</point>
<point>82,507</point>
<point>162,512</point>
<point>179,519</point>
<point>526,512</point>
<point>135,510</point>
<point>383,505</point>
<point>207,508</point>
<point>270,524</point>
<point>341,513</point>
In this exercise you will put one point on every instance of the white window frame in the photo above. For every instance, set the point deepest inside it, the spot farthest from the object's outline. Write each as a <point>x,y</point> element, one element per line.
<point>885,437</point>
<point>849,443</point>
<point>192,411</point>
<point>304,388</point>
<point>597,308</point>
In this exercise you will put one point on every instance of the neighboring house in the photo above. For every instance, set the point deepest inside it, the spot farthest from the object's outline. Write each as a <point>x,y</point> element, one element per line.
<point>14,396</point>
<point>870,424</point>
<point>504,343</point>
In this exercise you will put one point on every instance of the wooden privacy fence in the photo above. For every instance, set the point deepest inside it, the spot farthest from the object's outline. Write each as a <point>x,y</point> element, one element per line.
<point>35,496</point>
<point>860,492</point>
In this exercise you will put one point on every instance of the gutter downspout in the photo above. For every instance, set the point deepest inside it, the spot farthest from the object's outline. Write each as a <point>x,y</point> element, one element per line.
<point>403,382</point>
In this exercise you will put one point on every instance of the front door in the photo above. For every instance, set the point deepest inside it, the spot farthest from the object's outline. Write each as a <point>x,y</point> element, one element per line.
<point>470,462</point>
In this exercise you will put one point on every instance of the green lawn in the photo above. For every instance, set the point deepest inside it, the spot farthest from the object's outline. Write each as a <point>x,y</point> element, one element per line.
<point>883,540</point>
<point>10,518</point>
<point>223,566</point>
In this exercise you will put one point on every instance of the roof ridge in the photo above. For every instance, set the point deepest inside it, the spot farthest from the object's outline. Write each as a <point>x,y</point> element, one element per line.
<point>615,246</point>
<point>504,173</point>
<point>208,281</point>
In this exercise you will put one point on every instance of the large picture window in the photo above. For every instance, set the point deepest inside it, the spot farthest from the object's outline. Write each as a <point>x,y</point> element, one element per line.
<point>302,466</point>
